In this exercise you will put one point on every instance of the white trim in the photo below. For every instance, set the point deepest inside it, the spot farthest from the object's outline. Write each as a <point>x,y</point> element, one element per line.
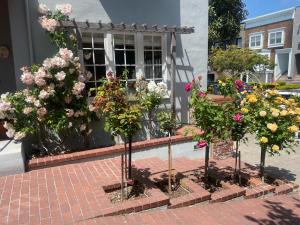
<point>261,40</point>
<point>274,31</point>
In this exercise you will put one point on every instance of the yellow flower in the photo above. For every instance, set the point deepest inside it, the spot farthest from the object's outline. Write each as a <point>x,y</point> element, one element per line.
<point>293,129</point>
<point>275,148</point>
<point>275,113</point>
<point>291,112</point>
<point>245,110</point>
<point>220,82</point>
<point>254,87</point>
<point>291,100</point>
<point>283,113</point>
<point>297,110</point>
<point>298,119</point>
<point>223,84</point>
<point>272,127</point>
<point>262,113</point>
<point>253,100</point>
<point>272,92</point>
<point>264,140</point>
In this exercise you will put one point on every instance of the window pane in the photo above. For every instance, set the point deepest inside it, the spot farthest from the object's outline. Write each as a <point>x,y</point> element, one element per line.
<point>272,38</point>
<point>88,57</point>
<point>158,71</point>
<point>130,57</point>
<point>91,70</point>
<point>148,57</point>
<point>279,37</point>
<point>131,72</point>
<point>99,57</point>
<point>119,57</point>
<point>258,39</point>
<point>100,72</point>
<point>157,57</point>
<point>119,71</point>
<point>129,41</point>
<point>148,42</point>
<point>119,41</point>
<point>148,72</point>
<point>86,40</point>
<point>98,40</point>
<point>157,42</point>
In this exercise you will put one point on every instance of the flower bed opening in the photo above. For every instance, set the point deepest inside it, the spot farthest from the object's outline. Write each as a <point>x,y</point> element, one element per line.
<point>135,191</point>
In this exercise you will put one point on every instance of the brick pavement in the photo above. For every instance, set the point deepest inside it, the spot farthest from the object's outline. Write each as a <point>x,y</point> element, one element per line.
<point>72,193</point>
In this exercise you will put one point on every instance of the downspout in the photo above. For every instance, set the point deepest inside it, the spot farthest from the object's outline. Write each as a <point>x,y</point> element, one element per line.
<point>29,36</point>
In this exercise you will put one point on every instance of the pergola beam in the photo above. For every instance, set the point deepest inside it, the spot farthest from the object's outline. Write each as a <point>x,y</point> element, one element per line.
<point>125,27</point>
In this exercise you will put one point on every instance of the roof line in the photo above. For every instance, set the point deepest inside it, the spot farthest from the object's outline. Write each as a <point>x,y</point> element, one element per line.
<point>270,14</point>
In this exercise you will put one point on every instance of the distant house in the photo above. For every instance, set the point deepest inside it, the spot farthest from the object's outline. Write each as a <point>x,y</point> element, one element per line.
<point>23,42</point>
<point>277,36</point>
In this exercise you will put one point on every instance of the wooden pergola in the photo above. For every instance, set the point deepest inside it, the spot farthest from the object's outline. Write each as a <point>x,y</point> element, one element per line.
<point>79,26</point>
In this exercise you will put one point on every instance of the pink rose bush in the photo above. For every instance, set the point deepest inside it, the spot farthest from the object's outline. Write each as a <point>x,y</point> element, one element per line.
<point>54,99</point>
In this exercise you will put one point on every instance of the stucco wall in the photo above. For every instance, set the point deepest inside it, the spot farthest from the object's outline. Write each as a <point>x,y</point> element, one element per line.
<point>191,50</point>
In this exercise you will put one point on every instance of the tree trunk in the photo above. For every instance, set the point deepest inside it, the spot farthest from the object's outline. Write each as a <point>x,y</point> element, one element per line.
<point>170,163</point>
<point>262,163</point>
<point>206,163</point>
<point>129,157</point>
<point>236,158</point>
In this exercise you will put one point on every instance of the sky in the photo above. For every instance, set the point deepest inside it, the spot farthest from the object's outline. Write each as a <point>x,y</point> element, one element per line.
<point>261,7</point>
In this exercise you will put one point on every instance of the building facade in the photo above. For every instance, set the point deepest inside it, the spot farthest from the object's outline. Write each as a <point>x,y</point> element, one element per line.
<point>276,36</point>
<point>142,54</point>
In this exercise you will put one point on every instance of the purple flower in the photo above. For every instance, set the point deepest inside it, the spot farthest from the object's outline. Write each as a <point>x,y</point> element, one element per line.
<point>239,84</point>
<point>188,87</point>
<point>237,117</point>
<point>201,144</point>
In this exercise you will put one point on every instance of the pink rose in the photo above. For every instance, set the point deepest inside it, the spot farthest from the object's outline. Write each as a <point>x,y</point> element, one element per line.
<point>202,94</point>
<point>239,84</point>
<point>201,144</point>
<point>237,117</point>
<point>188,87</point>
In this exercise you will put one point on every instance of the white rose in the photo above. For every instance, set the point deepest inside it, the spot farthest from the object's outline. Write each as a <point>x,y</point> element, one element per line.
<point>82,127</point>
<point>27,110</point>
<point>60,76</point>
<point>69,112</point>
<point>152,86</point>
<point>27,78</point>
<point>44,94</point>
<point>65,9</point>
<point>10,133</point>
<point>43,9</point>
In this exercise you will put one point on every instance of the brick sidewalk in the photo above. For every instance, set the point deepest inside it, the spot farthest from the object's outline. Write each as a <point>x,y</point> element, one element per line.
<point>73,193</point>
<point>283,210</point>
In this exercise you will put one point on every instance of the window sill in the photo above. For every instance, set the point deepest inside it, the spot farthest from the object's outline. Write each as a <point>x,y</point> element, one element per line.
<point>256,48</point>
<point>276,46</point>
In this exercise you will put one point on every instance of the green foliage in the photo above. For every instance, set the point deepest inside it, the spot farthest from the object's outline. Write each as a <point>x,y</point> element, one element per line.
<point>288,86</point>
<point>225,17</point>
<point>226,86</point>
<point>121,117</point>
<point>235,61</point>
<point>167,123</point>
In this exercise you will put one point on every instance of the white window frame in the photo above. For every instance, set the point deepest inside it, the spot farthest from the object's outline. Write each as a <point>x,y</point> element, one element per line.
<point>261,40</point>
<point>275,31</point>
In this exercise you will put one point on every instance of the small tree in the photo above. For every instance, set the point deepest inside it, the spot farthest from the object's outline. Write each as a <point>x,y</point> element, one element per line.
<point>121,117</point>
<point>274,121</point>
<point>225,17</point>
<point>235,61</point>
<point>167,124</point>
<point>210,117</point>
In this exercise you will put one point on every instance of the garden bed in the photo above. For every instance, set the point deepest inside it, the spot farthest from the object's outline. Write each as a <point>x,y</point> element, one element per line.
<point>134,192</point>
<point>178,188</point>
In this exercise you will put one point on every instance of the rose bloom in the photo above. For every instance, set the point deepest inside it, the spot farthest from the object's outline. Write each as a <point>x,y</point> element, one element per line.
<point>39,81</point>
<point>92,108</point>
<point>42,112</point>
<point>201,144</point>
<point>262,113</point>
<point>202,94</point>
<point>272,127</point>
<point>27,78</point>
<point>245,110</point>
<point>44,94</point>
<point>27,110</point>
<point>264,140</point>
<point>297,111</point>
<point>188,87</point>
<point>237,117</point>
<point>65,9</point>
<point>48,24</point>
<point>60,76</point>
<point>239,84</point>
<point>57,61</point>
<point>37,103</point>
<point>82,127</point>
<point>65,53</point>
<point>275,148</point>
<point>78,88</point>
<point>293,129</point>
<point>43,9</point>
<point>68,99</point>
<point>19,135</point>
<point>10,133</point>
<point>69,112</point>
<point>275,113</point>
<point>283,113</point>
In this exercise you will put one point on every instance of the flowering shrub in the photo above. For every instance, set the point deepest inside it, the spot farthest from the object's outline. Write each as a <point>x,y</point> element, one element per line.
<point>229,86</point>
<point>150,94</point>
<point>274,119</point>
<point>54,99</point>
<point>50,22</point>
